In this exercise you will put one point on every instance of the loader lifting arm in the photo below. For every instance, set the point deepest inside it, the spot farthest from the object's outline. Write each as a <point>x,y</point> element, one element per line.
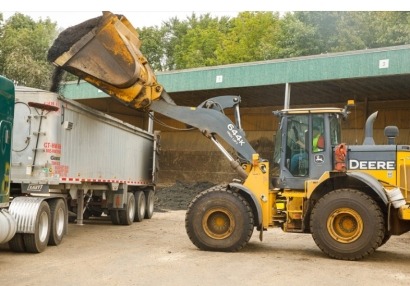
<point>104,51</point>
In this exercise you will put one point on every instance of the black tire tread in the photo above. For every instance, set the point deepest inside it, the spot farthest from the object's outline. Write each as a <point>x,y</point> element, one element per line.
<point>123,214</point>
<point>54,238</point>
<point>149,201</point>
<point>371,206</point>
<point>206,193</point>
<point>16,244</point>
<point>30,239</point>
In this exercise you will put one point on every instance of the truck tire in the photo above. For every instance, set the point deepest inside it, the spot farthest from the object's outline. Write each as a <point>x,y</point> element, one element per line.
<point>140,205</point>
<point>149,207</point>
<point>127,216</point>
<point>58,221</point>
<point>347,224</point>
<point>16,244</point>
<point>218,219</point>
<point>114,217</point>
<point>37,242</point>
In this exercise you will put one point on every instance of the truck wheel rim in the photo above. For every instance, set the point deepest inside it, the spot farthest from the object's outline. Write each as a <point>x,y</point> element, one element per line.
<point>345,225</point>
<point>43,227</point>
<point>218,223</point>
<point>60,222</point>
<point>131,209</point>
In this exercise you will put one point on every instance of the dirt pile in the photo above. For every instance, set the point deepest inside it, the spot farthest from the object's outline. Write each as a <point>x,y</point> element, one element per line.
<point>63,43</point>
<point>178,196</point>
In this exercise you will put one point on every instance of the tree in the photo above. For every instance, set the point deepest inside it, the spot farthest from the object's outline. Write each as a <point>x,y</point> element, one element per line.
<point>174,30</point>
<point>23,50</point>
<point>197,47</point>
<point>153,46</point>
<point>253,37</point>
<point>347,31</point>
<point>296,38</point>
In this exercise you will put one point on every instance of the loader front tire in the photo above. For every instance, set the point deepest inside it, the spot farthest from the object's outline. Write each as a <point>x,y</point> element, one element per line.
<point>347,224</point>
<point>219,220</point>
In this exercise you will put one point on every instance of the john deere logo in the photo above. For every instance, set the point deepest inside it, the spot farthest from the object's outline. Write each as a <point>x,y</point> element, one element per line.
<point>371,165</point>
<point>319,159</point>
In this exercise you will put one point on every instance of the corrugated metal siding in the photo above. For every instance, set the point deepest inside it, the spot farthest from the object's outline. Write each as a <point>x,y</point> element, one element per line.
<point>98,147</point>
<point>303,69</point>
<point>356,64</point>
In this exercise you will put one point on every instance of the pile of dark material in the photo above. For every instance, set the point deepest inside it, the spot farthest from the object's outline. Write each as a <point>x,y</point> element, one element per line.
<point>178,196</point>
<point>67,38</point>
<point>63,43</point>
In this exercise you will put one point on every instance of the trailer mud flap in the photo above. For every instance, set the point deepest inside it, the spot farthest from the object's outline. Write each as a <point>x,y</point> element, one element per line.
<point>34,188</point>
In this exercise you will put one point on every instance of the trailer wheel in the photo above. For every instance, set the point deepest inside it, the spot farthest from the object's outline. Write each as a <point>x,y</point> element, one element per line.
<point>37,242</point>
<point>149,208</point>
<point>127,216</point>
<point>114,217</point>
<point>347,224</point>
<point>219,220</point>
<point>58,221</point>
<point>16,244</point>
<point>139,206</point>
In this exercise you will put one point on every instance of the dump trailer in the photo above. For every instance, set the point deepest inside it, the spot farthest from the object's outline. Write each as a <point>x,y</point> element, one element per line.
<point>352,199</point>
<point>70,162</point>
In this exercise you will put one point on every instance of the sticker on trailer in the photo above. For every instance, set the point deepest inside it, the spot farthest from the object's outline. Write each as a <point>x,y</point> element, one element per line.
<point>34,188</point>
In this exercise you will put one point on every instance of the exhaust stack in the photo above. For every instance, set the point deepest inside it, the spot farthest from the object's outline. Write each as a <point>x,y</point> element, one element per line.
<point>368,131</point>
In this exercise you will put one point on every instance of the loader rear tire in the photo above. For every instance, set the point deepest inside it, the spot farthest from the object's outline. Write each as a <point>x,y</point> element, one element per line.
<point>219,220</point>
<point>58,221</point>
<point>140,205</point>
<point>37,242</point>
<point>347,224</point>
<point>127,216</point>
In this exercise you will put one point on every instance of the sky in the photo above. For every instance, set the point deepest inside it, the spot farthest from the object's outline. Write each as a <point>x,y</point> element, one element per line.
<point>154,12</point>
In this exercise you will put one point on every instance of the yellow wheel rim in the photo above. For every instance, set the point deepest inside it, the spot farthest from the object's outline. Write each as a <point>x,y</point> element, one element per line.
<point>218,223</point>
<point>345,225</point>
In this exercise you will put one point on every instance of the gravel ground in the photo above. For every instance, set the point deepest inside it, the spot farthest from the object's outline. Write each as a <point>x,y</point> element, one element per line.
<point>157,251</point>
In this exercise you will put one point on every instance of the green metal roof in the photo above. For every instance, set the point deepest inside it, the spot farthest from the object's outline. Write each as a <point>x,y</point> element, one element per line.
<point>302,69</point>
<point>200,83</point>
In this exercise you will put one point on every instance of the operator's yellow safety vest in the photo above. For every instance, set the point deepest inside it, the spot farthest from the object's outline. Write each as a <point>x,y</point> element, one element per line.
<point>316,143</point>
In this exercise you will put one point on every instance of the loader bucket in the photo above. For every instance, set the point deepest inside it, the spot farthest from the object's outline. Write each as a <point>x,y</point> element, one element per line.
<point>104,51</point>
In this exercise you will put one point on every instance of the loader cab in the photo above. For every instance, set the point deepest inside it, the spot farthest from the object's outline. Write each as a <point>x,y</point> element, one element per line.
<point>304,145</point>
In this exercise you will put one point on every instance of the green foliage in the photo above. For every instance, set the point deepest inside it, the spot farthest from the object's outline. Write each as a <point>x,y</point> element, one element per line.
<point>23,50</point>
<point>296,38</point>
<point>257,36</point>
<point>197,47</point>
<point>203,40</point>
<point>253,37</point>
<point>153,48</point>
